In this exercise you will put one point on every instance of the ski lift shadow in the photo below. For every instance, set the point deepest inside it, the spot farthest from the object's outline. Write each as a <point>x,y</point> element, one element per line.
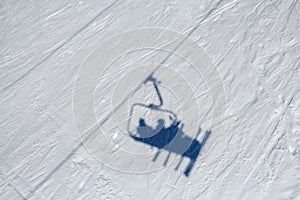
<point>171,138</point>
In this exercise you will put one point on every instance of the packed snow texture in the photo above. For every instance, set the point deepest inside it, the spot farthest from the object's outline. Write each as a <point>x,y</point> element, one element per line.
<point>47,151</point>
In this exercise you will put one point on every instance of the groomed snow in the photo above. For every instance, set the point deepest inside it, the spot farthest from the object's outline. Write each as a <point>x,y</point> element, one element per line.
<point>70,72</point>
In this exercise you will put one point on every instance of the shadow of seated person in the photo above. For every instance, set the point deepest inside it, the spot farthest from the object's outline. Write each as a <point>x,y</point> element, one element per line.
<point>158,137</point>
<point>143,130</point>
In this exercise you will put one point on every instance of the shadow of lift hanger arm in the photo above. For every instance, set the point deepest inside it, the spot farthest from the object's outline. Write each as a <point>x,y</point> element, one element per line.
<point>150,78</point>
<point>158,94</point>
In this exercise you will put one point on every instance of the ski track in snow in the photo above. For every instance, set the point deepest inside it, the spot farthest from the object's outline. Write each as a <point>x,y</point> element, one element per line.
<point>254,148</point>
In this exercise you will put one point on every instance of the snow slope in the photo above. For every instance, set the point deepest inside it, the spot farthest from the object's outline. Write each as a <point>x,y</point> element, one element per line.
<point>71,71</point>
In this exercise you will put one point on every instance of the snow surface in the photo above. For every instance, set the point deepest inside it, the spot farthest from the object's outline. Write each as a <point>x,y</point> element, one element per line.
<point>71,70</point>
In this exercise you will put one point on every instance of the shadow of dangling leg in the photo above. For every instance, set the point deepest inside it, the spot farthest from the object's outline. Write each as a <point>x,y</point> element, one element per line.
<point>156,155</point>
<point>178,165</point>
<point>189,167</point>
<point>167,159</point>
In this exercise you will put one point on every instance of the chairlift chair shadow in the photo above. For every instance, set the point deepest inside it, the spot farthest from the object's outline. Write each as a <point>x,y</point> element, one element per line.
<point>160,138</point>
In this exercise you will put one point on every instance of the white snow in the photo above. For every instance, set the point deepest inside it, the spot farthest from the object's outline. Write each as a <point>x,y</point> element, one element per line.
<point>70,72</point>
